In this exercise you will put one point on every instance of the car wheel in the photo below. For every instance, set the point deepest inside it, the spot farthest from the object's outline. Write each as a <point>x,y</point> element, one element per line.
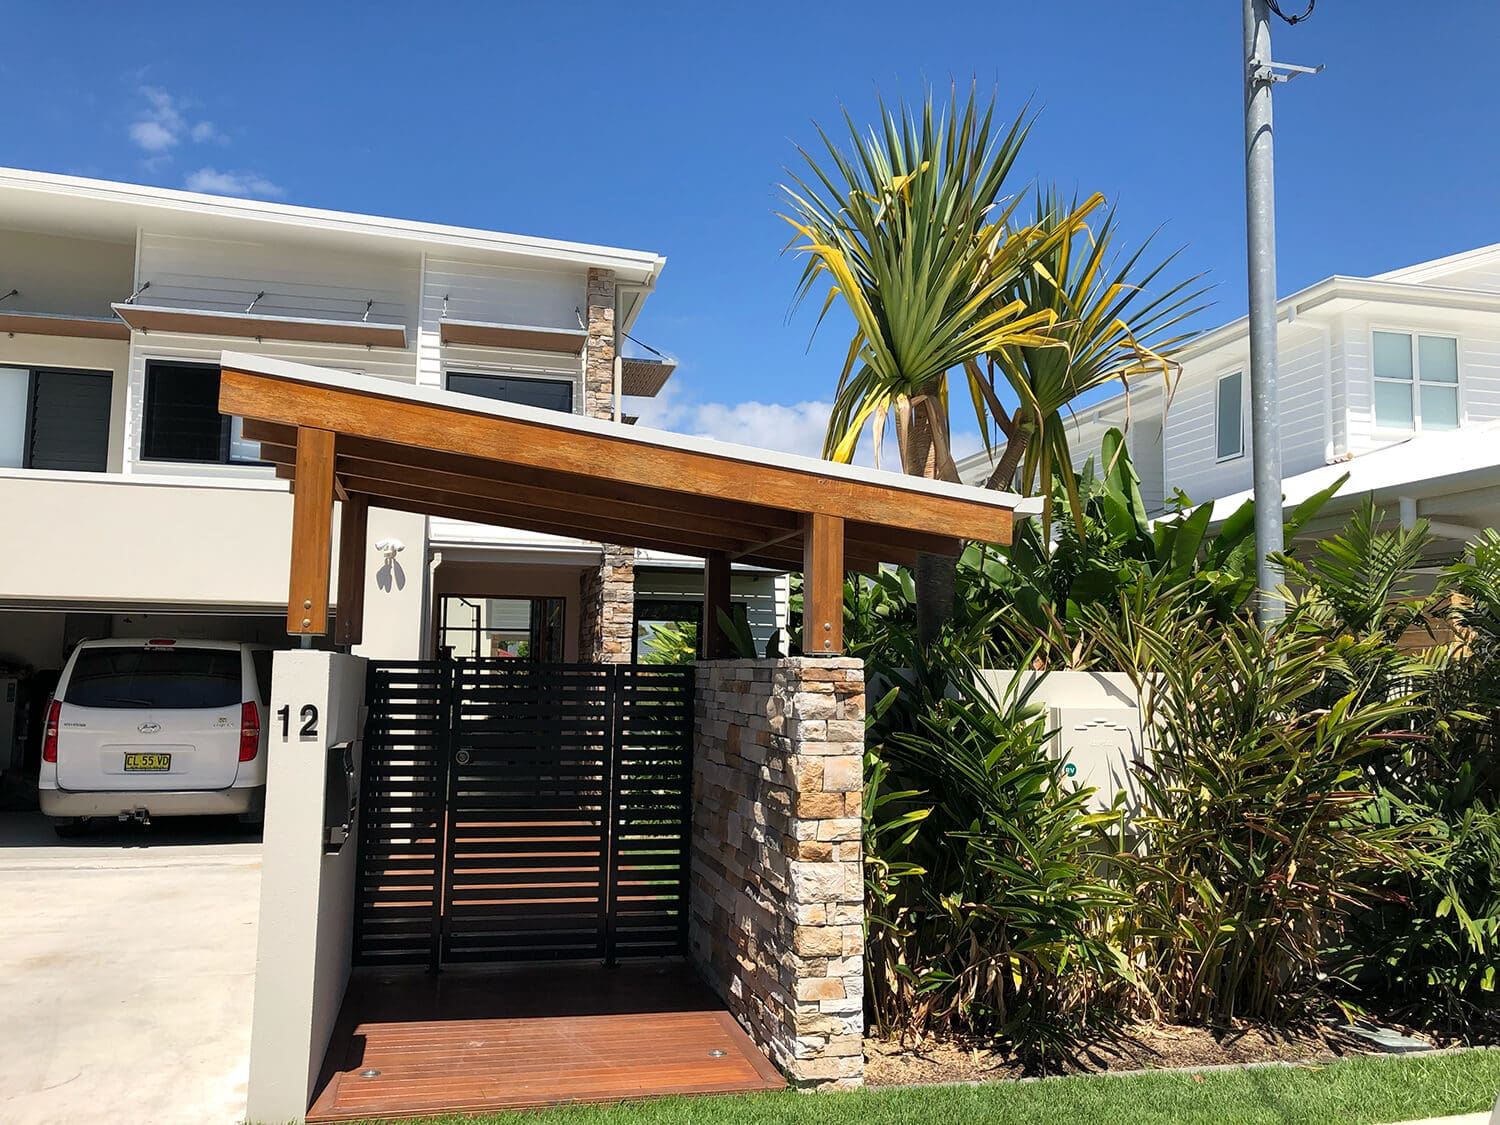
<point>70,826</point>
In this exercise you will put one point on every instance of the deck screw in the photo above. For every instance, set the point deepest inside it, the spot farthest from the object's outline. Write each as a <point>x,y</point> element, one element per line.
<point>371,1073</point>
<point>717,1054</point>
<point>307,622</point>
<point>307,604</point>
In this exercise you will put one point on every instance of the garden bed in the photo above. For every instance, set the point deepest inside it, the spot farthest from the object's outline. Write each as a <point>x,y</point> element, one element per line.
<point>1141,1046</point>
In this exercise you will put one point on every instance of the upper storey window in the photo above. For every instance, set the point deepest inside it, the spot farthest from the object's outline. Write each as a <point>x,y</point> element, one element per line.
<point>545,394</point>
<point>1230,416</point>
<point>182,420</point>
<point>1416,381</point>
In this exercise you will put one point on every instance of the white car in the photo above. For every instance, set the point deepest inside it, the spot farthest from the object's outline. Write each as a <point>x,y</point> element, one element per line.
<point>144,728</point>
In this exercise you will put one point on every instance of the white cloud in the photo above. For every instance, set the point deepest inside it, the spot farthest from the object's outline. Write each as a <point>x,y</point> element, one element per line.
<point>798,428</point>
<point>152,136</point>
<point>214,182</point>
<point>163,123</point>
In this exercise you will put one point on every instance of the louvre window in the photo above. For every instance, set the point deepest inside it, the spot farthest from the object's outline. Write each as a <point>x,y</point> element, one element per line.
<point>1416,381</point>
<point>545,394</point>
<point>54,419</point>
<point>182,420</point>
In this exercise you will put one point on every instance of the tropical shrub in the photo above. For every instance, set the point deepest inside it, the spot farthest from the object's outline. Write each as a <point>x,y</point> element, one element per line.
<point>1253,841</point>
<point>986,892</point>
<point>1431,947</point>
<point>1322,804</point>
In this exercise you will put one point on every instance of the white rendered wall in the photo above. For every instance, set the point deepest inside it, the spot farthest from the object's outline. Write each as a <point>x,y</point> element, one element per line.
<point>307,898</point>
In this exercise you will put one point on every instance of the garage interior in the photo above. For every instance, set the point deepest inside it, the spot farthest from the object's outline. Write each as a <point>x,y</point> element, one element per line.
<point>36,642</point>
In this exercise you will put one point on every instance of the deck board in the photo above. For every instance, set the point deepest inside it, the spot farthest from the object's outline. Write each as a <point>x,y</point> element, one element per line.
<point>468,1042</point>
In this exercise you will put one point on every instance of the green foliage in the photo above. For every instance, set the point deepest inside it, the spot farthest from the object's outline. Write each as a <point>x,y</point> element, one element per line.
<point>1254,843</point>
<point>670,642</point>
<point>1432,947</point>
<point>985,890</point>
<point>1321,805</point>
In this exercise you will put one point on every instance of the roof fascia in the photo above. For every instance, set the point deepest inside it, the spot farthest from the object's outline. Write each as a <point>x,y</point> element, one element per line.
<point>635,266</point>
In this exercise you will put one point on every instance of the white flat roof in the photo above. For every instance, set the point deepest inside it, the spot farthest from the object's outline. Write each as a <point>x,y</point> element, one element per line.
<point>1415,464</point>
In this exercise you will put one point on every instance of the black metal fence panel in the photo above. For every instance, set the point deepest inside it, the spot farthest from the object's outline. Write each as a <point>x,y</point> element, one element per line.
<point>524,812</point>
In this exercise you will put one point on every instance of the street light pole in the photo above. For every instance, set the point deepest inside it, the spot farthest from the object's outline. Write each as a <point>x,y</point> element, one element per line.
<point>1260,229</point>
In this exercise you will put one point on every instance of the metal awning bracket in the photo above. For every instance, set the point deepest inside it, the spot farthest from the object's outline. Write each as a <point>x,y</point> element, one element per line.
<point>255,302</point>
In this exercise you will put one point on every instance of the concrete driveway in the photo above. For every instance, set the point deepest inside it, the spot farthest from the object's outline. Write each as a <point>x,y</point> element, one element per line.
<point>127,964</point>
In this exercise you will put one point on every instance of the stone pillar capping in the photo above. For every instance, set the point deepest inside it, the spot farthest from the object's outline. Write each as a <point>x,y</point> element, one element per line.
<point>777,908</point>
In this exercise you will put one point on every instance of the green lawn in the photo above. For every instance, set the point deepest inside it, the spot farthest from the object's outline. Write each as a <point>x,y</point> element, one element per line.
<point>1344,1093</point>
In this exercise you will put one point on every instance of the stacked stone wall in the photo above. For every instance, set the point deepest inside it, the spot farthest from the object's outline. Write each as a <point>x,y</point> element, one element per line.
<point>607,627</point>
<point>777,923</point>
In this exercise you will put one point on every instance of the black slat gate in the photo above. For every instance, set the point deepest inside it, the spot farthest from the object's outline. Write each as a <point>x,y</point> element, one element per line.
<point>520,812</point>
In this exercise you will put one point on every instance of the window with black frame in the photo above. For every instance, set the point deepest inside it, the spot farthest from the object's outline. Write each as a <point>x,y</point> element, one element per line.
<point>525,390</point>
<point>55,419</point>
<point>182,421</point>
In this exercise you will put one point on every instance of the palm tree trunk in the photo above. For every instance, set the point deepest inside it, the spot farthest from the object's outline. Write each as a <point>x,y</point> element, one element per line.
<point>936,576</point>
<point>1004,475</point>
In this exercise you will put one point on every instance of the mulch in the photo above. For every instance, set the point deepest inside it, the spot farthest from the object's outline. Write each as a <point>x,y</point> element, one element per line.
<point>1139,1046</point>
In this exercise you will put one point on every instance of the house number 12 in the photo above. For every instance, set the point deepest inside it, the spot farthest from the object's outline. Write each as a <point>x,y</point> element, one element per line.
<point>309,716</point>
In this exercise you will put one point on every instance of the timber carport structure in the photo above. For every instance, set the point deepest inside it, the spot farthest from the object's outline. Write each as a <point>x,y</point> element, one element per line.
<point>771,782</point>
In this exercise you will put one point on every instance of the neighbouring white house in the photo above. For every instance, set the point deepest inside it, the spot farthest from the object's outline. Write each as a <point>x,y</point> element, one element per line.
<point>133,508</point>
<point>1393,379</point>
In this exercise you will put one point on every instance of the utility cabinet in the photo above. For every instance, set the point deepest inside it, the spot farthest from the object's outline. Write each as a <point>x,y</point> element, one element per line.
<point>1095,724</point>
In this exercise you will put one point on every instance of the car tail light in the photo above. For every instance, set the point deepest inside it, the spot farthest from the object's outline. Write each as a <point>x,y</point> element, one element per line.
<point>249,731</point>
<point>49,737</point>
<point>159,642</point>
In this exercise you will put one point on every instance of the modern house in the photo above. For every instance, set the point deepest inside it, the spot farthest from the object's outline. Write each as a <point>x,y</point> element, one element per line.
<point>1394,379</point>
<point>134,507</point>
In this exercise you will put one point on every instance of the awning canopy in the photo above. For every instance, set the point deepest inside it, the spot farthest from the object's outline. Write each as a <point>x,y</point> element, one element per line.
<point>392,445</point>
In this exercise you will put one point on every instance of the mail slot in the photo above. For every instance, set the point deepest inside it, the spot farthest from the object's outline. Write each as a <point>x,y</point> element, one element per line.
<point>340,798</point>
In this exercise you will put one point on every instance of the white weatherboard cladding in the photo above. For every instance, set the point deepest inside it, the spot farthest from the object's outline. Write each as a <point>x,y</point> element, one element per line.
<point>299,280</point>
<point>495,294</point>
<point>1144,441</point>
<point>1191,451</point>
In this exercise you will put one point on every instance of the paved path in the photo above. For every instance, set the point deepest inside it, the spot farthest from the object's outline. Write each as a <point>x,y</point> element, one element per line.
<point>127,965</point>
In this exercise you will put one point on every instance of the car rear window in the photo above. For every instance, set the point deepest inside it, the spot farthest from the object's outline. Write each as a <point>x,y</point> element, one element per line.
<point>155,677</point>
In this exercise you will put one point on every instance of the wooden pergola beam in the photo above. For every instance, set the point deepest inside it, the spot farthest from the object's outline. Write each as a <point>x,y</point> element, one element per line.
<point>312,534</point>
<point>349,605</point>
<point>496,503</point>
<point>394,480</point>
<point>623,460</point>
<point>713,641</point>
<point>607,528</point>
<point>823,586</point>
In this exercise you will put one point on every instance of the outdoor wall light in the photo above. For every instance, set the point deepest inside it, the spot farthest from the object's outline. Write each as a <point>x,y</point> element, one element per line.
<point>390,548</point>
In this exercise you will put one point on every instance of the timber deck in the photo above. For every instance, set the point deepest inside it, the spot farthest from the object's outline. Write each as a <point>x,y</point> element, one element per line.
<point>414,1044</point>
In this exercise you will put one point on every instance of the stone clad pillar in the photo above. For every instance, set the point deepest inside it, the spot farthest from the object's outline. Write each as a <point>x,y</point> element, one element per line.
<point>777,925</point>
<point>607,627</point>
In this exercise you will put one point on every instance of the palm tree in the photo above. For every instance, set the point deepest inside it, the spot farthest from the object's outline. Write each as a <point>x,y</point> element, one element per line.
<point>1111,327</point>
<point>911,230</point>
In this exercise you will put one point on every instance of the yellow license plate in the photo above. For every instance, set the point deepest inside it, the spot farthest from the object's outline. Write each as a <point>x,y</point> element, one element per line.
<point>147,762</point>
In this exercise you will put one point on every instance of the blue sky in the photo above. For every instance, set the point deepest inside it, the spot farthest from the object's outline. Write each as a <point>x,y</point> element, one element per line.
<point>667,126</point>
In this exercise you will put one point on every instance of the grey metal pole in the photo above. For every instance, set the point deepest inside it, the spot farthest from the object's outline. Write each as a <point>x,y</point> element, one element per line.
<point>1260,223</point>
